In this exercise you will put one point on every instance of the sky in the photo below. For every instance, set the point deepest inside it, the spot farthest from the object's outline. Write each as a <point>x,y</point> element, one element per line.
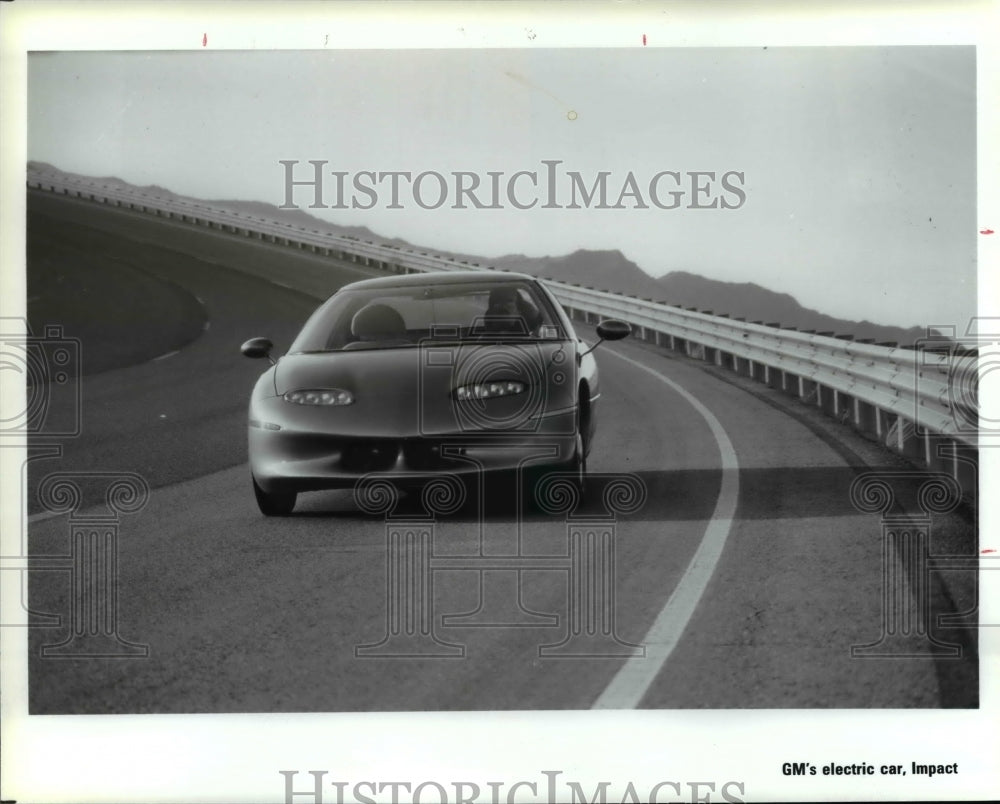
<point>858,163</point>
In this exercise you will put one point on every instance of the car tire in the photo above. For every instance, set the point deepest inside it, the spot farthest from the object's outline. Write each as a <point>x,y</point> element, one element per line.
<point>277,503</point>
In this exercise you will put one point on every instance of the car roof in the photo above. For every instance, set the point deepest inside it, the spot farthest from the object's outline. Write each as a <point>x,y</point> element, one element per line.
<point>486,277</point>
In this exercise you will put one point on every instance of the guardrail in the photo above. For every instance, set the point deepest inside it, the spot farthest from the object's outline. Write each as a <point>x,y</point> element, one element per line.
<point>922,402</point>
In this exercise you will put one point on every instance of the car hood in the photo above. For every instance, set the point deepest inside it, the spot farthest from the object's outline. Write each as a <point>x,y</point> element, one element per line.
<point>410,390</point>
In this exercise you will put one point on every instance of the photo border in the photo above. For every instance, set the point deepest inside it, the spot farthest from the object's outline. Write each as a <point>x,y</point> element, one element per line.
<point>238,757</point>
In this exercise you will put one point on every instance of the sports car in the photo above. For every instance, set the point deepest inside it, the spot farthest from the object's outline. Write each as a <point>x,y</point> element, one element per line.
<point>470,373</point>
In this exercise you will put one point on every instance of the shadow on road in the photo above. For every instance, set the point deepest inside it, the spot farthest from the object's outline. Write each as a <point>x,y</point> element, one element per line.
<point>682,495</point>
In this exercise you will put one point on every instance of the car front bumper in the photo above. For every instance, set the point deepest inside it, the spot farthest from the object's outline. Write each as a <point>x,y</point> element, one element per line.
<point>286,460</point>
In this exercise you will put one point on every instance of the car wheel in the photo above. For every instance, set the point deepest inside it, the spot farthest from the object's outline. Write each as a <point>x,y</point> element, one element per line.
<point>278,503</point>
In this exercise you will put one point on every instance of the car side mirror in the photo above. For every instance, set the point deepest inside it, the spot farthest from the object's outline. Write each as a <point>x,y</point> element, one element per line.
<point>257,347</point>
<point>609,330</point>
<point>613,330</point>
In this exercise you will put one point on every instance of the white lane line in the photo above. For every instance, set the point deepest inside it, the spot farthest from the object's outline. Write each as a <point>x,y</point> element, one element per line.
<point>632,681</point>
<point>45,515</point>
<point>166,355</point>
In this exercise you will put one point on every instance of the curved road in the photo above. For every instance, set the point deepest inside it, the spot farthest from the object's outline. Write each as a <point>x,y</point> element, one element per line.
<point>746,575</point>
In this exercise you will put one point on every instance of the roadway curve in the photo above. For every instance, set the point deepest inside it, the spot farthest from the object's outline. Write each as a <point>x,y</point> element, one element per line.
<point>747,574</point>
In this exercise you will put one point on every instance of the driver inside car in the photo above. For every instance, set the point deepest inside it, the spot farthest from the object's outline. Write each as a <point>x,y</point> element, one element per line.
<point>509,311</point>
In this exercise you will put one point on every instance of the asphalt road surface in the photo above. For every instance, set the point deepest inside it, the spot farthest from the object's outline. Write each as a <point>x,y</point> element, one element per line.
<point>742,580</point>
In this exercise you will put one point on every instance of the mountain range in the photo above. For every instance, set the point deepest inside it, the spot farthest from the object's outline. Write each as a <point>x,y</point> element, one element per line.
<point>605,270</point>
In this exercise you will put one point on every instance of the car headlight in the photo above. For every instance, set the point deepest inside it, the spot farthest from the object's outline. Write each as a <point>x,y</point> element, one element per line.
<point>489,390</point>
<point>319,396</point>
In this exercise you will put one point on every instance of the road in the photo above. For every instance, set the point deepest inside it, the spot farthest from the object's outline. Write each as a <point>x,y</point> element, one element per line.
<point>744,578</point>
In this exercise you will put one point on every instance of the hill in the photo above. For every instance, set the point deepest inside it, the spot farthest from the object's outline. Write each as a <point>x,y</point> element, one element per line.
<point>604,269</point>
<point>611,270</point>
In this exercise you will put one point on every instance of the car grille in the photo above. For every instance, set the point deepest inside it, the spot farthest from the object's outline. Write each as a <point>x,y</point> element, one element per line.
<point>423,455</point>
<point>370,456</point>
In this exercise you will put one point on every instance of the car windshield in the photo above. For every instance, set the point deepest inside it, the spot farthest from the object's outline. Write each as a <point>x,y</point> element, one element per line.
<point>390,317</point>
